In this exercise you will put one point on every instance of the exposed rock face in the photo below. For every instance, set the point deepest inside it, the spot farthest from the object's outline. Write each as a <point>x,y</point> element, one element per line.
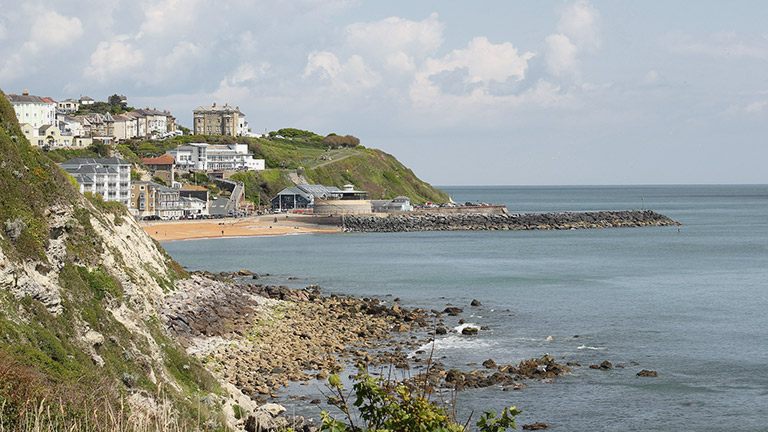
<point>504,222</point>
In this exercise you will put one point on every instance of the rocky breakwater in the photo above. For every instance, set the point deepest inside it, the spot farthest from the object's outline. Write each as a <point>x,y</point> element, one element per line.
<point>504,222</point>
<point>260,338</point>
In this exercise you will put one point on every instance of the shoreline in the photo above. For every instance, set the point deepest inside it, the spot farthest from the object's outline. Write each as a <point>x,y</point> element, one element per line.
<point>252,226</point>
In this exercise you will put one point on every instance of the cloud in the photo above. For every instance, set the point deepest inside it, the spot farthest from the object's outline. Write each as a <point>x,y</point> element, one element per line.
<point>484,61</point>
<point>581,23</point>
<point>719,45</point>
<point>169,16</point>
<point>351,75</point>
<point>756,107</point>
<point>393,39</point>
<point>578,32</point>
<point>561,55</point>
<point>50,29</point>
<point>3,31</point>
<point>113,60</point>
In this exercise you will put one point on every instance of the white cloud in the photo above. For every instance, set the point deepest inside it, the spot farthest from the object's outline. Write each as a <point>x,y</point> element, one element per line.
<point>54,30</point>
<point>352,75</point>
<point>561,55</point>
<point>247,73</point>
<point>395,36</point>
<point>484,61</point>
<point>756,107</point>
<point>113,60</point>
<point>169,16</point>
<point>3,31</point>
<point>651,77</point>
<point>581,23</point>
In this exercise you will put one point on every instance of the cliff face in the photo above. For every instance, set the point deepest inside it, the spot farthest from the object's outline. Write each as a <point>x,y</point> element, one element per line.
<point>80,289</point>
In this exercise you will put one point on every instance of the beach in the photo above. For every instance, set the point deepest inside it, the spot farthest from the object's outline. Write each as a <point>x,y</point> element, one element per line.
<point>264,225</point>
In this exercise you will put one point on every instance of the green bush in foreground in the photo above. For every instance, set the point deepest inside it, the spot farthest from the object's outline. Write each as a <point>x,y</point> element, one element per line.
<point>392,406</point>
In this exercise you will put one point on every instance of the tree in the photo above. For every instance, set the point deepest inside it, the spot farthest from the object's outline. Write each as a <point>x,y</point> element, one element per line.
<point>116,101</point>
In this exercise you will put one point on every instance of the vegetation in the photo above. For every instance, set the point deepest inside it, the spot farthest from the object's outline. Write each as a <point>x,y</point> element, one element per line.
<point>68,363</point>
<point>394,406</point>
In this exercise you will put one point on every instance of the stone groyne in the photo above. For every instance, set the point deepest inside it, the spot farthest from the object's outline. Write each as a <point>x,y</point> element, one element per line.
<point>504,222</point>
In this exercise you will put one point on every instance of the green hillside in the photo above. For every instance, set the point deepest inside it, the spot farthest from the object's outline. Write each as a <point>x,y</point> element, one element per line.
<point>79,284</point>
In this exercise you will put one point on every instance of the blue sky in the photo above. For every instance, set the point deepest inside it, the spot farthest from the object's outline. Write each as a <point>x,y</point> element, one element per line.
<point>493,92</point>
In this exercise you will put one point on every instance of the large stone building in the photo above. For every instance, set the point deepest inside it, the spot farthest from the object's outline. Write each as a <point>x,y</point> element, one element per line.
<point>219,120</point>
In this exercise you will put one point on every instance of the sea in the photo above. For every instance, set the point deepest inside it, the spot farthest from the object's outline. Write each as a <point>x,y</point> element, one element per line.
<point>690,302</point>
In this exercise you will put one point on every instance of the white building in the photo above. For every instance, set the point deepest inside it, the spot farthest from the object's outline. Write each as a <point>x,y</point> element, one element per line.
<point>220,157</point>
<point>110,177</point>
<point>33,110</point>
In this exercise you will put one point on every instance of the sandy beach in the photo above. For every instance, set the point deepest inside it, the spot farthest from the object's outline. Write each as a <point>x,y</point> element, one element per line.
<point>266,225</point>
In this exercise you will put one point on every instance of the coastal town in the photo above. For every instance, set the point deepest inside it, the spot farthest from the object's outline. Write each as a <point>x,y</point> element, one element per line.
<point>153,189</point>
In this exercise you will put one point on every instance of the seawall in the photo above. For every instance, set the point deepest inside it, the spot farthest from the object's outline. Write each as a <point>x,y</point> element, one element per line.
<point>505,222</point>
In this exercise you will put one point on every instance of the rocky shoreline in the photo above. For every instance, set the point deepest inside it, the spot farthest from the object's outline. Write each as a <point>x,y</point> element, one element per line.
<point>258,339</point>
<point>503,222</point>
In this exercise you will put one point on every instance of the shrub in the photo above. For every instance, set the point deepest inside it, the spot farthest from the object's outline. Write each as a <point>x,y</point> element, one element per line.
<point>395,406</point>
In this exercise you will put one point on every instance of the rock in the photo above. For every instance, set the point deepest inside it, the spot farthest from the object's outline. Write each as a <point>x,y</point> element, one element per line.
<point>489,364</point>
<point>536,426</point>
<point>453,311</point>
<point>606,365</point>
<point>647,373</point>
<point>469,331</point>
<point>475,303</point>
<point>441,330</point>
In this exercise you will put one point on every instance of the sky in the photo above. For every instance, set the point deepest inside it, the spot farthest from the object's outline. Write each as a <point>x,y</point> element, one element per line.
<point>496,92</point>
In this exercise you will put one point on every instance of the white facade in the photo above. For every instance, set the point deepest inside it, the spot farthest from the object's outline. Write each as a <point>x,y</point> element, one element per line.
<point>206,157</point>
<point>110,177</point>
<point>33,110</point>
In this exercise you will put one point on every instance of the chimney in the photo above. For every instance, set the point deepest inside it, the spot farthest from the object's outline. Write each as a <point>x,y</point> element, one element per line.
<point>214,104</point>
<point>25,93</point>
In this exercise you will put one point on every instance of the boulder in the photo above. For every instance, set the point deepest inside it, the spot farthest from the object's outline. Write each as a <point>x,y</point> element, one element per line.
<point>469,331</point>
<point>475,303</point>
<point>647,373</point>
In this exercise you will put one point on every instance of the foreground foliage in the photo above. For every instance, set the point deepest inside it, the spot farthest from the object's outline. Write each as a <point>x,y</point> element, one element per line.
<point>394,406</point>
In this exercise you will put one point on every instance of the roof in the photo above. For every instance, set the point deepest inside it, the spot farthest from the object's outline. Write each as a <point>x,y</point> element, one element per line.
<point>194,188</point>
<point>91,161</point>
<point>226,109</point>
<point>165,159</point>
<point>14,98</point>
<point>86,98</point>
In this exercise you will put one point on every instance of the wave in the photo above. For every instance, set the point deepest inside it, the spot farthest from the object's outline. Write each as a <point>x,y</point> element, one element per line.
<point>591,348</point>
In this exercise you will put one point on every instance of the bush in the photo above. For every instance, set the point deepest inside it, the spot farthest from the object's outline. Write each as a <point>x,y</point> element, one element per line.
<point>395,406</point>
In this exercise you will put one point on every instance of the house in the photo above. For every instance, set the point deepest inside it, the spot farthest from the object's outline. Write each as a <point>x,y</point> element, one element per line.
<point>401,203</point>
<point>161,167</point>
<point>220,157</point>
<point>86,100</point>
<point>33,110</point>
<point>100,127</point>
<point>126,126</point>
<point>219,120</point>
<point>68,106</point>
<point>108,177</point>
<point>152,199</point>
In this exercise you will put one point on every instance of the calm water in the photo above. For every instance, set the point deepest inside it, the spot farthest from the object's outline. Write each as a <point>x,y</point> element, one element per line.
<point>690,305</point>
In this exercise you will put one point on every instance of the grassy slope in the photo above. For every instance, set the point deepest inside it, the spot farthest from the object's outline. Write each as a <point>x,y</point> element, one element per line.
<point>43,359</point>
<point>375,171</point>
